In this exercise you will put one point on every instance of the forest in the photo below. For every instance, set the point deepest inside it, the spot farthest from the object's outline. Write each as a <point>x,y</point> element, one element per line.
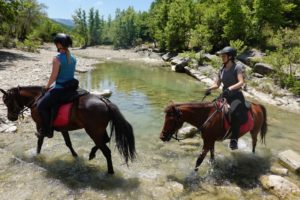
<point>272,26</point>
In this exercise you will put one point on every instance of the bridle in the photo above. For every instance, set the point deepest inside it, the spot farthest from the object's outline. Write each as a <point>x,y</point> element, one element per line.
<point>17,109</point>
<point>178,114</point>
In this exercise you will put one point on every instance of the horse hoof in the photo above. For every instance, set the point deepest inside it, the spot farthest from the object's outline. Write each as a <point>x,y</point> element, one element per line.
<point>196,169</point>
<point>110,172</point>
<point>75,155</point>
<point>91,157</point>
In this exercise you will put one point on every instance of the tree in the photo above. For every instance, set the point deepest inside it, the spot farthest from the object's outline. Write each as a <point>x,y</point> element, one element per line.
<point>178,25</point>
<point>30,15</point>
<point>81,25</point>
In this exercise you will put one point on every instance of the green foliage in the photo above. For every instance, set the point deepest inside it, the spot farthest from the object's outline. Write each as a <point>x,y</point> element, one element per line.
<point>31,44</point>
<point>200,37</point>
<point>178,25</point>
<point>125,28</point>
<point>239,45</point>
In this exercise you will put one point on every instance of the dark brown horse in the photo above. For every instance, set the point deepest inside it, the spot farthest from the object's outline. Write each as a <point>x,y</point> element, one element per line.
<point>208,117</point>
<point>89,112</point>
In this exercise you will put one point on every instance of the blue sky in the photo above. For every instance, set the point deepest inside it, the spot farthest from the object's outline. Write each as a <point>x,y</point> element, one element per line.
<point>65,8</point>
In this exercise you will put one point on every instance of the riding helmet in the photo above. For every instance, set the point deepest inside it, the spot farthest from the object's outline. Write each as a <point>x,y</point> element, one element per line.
<point>64,39</point>
<point>230,51</point>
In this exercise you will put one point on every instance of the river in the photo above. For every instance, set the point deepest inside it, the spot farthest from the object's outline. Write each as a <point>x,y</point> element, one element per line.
<point>161,170</point>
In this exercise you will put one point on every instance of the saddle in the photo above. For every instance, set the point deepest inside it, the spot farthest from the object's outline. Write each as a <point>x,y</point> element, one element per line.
<point>246,118</point>
<point>60,114</point>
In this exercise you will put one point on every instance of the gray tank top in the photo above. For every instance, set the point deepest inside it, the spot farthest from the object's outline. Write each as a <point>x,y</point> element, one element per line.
<point>229,77</point>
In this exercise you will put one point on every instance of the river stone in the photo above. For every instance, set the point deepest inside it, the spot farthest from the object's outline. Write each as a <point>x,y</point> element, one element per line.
<point>11,129</point>
<point>279,186</point>
<point>187,132</point>
<point>234,191</point>
<point>104,93</point>
<point>290,159</point>
<point>279,171</point>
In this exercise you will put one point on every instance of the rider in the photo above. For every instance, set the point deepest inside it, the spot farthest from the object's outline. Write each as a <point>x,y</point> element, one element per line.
<point>63,69</point>
<point>231,75</point>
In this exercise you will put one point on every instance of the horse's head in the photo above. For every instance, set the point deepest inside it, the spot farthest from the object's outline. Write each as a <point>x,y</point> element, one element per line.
<point>17,98</point>
<point>173,122</point>
<point>10,99</point>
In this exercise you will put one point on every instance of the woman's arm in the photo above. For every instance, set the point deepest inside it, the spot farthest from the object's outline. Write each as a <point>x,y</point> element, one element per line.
<point>240,82</point>
<point>216,85</point>
<point>54,73</point>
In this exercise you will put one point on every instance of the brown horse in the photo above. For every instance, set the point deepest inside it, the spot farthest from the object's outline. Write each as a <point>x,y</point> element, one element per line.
<point>208,117</point>
<point>89,112</point>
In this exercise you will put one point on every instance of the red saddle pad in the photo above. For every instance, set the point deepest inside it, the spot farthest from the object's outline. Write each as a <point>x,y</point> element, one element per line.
<point>63,115</point>
<point>248,126</point>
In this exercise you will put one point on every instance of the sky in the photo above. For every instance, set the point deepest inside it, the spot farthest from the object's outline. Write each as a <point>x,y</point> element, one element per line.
<point>65,8</point>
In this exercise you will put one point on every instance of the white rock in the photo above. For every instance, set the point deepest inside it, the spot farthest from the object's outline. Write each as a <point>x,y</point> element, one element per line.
<point>290,159</point>
<point>11,129</point>
<point>279,186</point>
<point>187,132</point>
<point>104,93</point>
<point>279,170</point>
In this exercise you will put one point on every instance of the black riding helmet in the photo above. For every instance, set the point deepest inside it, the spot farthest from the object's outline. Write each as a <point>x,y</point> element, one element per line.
<point>229,51</point>
<point>64,39</point>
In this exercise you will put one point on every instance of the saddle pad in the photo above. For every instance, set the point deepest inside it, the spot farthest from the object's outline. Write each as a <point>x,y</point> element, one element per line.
<point>63,115</point>
<point>244,128</point>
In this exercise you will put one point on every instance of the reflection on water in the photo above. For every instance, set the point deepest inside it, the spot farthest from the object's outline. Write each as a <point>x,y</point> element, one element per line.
<point>162,170</point>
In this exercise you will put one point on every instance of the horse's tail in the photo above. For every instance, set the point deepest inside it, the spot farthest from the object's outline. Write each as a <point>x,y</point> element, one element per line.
<point>264,127</point>
<point>123,133</point>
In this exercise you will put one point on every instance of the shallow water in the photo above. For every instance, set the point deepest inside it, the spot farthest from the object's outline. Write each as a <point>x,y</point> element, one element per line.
<point>162,170</point>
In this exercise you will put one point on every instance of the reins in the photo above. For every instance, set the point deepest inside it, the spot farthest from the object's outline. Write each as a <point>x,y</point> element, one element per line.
<point>218,109</point>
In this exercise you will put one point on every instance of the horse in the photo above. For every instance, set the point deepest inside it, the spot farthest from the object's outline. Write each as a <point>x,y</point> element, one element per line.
<point>208,117</point>
<point>90,112</point>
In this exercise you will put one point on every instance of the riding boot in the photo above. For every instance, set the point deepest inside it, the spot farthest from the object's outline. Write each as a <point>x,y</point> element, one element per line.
<point>45,130</point>
<point>235,127</point>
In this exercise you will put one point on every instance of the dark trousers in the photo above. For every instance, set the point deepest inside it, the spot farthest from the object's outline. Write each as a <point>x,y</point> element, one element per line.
<point>238,113</point>
<point>45,103</point>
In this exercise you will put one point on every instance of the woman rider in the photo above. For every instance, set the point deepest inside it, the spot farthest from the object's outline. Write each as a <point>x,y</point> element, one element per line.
<point>232,78</point>
<point>63,69</point>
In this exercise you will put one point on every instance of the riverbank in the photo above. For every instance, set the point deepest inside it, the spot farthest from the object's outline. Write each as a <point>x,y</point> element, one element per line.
<point>24,68</point>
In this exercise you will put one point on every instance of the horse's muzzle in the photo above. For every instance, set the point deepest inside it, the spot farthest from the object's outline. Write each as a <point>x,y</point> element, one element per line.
<point>165,137</point>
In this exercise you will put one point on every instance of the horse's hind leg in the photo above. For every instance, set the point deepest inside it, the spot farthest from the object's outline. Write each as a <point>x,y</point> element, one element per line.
<point>39,144</point>
<point>68,142</point>
<point>107,153</point>
<point>254,140</point>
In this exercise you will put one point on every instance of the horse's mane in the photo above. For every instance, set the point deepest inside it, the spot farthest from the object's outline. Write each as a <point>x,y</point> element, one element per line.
<point>33,87</point>
<point>189,104</point>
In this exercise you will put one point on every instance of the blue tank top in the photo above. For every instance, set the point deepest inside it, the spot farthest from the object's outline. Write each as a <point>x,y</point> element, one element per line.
<point>66,70</point>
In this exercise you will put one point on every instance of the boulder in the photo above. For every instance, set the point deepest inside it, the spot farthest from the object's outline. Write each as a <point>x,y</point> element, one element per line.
<point>168,56</point>
<point>179,64</point>
<point>187,132</point>
<point>279,186</point>
<point>290,159</point>
<point>263,69</point>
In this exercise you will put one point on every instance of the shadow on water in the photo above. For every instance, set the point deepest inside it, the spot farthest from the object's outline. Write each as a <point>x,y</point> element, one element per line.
<point>241,168</point>
<point>78,173</point>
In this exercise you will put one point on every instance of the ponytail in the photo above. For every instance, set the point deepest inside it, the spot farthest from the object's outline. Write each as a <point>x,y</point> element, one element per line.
<point>68,54</point>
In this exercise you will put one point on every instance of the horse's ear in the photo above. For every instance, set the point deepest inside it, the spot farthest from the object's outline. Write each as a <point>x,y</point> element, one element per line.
<point>3,91</point>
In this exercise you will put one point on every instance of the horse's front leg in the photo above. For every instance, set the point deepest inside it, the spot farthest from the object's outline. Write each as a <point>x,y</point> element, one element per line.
<point>68,142</point>
<point>201,158</point>
<point>212,154</point>
<point>39,144</point>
